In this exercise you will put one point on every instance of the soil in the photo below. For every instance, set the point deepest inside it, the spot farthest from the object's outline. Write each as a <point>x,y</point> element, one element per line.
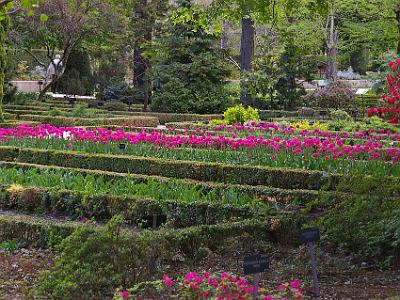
<point>20,271</point>
<point>340,276</point>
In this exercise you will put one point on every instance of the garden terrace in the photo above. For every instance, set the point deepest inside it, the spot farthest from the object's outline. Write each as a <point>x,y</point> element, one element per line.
<point>234,174</point>
<point>162,188</point>
<point>310,150</point>
<point>76,205</point>
<point>43,232</point>
<point>71,121</point>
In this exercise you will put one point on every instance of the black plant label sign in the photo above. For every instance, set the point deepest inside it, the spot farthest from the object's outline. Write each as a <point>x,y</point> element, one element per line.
<point>309,235</point>
<point>256,264</point>
<point>122,146</point>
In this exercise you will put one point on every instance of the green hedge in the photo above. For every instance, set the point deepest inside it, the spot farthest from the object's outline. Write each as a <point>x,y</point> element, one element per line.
<point>102,207</point>
<point>35,232</point>
<point>271,114</point>
<point>29,108</point>
<point>201,171</point>
<point>170,117</point>
<point>276,196</point>
<point>69,121</point>
<point>234,174</point>
<point>43,232</point>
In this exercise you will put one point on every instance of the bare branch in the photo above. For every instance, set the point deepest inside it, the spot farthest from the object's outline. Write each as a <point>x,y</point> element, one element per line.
<point>35,57</point>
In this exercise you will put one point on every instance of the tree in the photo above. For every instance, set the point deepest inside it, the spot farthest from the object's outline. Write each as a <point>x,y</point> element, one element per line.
<point>7,8</point>
<point>69,23</point>
<point>78,76</point>
<point>188,72</point>
<point>250,13</point>
<point>143,23</point>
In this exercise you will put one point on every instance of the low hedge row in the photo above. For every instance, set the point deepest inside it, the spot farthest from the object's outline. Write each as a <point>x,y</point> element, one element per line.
<point>201,171</point>
<point>264,193</point>
<point>234,174</point>
<point>102,207</point>
<point>44,232</point>
<point>170,117</point>
<point>19,112</point>
<point>15,124</point>
<point>271,114</point>
<point>26,107</point>
<point>32,231</point>
<point>70,121</point>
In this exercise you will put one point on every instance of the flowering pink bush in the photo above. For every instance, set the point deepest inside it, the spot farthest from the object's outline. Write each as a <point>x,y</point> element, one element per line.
<point>195,286</point>
<point>391,101</point>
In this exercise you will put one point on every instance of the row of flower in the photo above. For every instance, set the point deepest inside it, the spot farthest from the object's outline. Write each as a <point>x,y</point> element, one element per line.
<point>268,129</point>
<point>329,147</point>
<point>194,286</point>
<point>330,155</point>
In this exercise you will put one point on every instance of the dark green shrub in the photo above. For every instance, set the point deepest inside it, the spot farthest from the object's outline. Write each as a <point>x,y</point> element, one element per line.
<point>93,261</point>
<point>121,92</point>
<point>10,95</point>
<point>78,77</point>
<point>367,226</point>
<point>189,72</point>
<point>115,106</point>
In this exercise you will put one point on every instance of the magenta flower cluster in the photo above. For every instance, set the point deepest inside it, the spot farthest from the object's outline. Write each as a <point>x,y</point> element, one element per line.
<point>225,286</point>
<point>284,139</point>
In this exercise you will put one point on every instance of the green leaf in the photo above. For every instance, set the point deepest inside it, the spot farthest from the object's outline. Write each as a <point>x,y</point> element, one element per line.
<point>44,18</point>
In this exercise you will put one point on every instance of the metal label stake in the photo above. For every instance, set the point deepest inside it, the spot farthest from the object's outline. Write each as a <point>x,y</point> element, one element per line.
<point>256,264</point>
<point>309,237</point>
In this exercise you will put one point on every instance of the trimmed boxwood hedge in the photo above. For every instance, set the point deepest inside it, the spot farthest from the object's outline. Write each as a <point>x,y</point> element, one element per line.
<point>234,174</point>
<point>70,121</point>
<point>44,232</point>
<point>264,193</point>
<point>102,207</point>
<point>201,171</point>
<point>32,231</point>
<point>271,114</point>
<point>170,117</point>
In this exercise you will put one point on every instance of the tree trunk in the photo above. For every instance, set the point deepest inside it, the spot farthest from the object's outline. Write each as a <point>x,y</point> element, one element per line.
<point>44,90</point>
<point>143,34</point>
<point>332,50</point>
<point>246,53</point>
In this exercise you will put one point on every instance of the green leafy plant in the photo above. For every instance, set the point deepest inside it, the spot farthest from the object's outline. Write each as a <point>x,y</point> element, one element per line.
<point>95,260</point>
<point>240,115</point>
<point>8,246</point>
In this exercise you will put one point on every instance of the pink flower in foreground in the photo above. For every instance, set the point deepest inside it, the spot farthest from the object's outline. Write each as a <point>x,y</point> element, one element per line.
<point>124,294</point>
<point>167,281</point>
<point>295,284</point>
